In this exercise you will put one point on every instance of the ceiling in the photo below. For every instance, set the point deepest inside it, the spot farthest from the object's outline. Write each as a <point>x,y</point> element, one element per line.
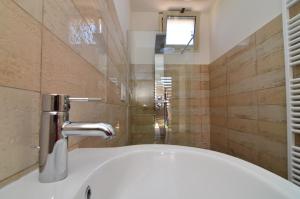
<point>162,5</point>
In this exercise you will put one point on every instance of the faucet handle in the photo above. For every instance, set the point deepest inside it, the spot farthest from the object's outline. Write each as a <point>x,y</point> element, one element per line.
<point>61,103</point>
<point>78,99</point>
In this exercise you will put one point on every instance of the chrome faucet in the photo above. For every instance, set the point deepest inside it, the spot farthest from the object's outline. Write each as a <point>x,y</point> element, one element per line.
<point>54,133</point>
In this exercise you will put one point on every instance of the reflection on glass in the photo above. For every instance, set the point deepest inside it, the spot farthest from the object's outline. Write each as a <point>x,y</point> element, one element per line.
<point>83,31</point>
<point>163,92</point>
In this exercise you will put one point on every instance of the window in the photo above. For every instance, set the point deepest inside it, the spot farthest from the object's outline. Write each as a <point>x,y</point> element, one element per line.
<point>180,30</point>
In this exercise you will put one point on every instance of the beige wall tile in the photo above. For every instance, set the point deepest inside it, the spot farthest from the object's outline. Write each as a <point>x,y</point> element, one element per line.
<point>255,114</point>
<point>33,7</point>
<point>242,125</point>
<point>219,138</point>
<point>19,64</point>
<point>243,112</point>
<point>271,79</point>
<point>272,113</point>
<point>220,91</point>
<point>218,101</point>
<point>243,145</point>
<point>241,50</point>
<point>243,99</point>
<point>19,122</point>
<point>245,85</point>
<point>270,29</point>
<point>63,71</point>
<point>273,130</point>
<point>243,71</point>
<point>272,96</point>
<point>68,53</point>
<point>270,54</point>
<point>79,32</point>
<point>218,120</point>
<point>218,81</point>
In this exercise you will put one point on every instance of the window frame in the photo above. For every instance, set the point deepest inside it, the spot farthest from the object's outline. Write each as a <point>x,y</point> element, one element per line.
<point>163,27</point>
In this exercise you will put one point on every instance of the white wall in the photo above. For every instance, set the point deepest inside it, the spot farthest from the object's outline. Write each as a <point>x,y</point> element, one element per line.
<point>141,47</point>
<point>201,57</point>
<point>144,21</point>
<point>234,20</point>
<point>143,28</point>
<point>124,12</point>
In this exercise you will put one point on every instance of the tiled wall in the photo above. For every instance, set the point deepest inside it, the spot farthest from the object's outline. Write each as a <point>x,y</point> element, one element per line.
<point>189,109</point>
<point>247,100</point>
<point>142,104</point>
<point>58,46</point>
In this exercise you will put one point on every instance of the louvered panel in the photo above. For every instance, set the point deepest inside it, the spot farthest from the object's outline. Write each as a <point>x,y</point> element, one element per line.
<point>291,3</point>
<point>295,170</point>
<point>291,33</point>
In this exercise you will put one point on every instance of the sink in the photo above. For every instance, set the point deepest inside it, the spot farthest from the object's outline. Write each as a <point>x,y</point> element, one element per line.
<point>155,171</point>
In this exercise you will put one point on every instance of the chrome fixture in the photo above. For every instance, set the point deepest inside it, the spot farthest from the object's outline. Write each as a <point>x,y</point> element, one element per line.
<point>54,133</point>
<point>187,45</point>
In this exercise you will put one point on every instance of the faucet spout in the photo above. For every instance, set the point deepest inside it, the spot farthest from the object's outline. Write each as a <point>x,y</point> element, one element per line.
<point>54,132</point>
<point>103,130</point>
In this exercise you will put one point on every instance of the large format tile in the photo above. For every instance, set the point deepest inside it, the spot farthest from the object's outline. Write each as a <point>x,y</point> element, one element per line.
<point>82,32</point>
<point>252,112</point>
<point>20,48</point>
<point>33,7</point>
<point>63,71</point>
<point>19,123</point>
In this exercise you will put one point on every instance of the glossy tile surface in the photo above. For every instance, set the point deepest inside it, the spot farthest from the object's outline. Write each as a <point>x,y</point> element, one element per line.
<point>19,121</point>
<point>189,105</point>
<point>63,47</point>
<point>20,48</point>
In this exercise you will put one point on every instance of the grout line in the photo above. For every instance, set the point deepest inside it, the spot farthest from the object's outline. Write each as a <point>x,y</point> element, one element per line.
<point>42,44</point>
<point>22,89</point>
<point>16,176</point>
<point>28,13</point>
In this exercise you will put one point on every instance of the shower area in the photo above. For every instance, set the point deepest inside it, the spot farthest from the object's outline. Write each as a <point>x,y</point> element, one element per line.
<point>170,90</point>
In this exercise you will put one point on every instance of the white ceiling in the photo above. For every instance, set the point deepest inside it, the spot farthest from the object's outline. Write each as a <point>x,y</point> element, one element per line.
<point>162,5</point>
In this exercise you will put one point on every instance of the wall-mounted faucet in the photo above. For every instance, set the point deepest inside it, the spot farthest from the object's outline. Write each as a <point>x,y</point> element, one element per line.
<point>54,133</point>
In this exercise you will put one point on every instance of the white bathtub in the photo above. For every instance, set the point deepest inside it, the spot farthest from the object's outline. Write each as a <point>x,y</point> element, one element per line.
<point>155,172</point>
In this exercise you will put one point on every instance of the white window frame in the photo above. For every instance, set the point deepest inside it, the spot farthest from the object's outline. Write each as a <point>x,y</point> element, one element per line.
<point>163,27</point>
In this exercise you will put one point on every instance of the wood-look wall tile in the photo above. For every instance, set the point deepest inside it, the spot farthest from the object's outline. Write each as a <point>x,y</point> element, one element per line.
<point>218,101</point>
<point>270,54</point>
<point>242,125</point>
<point>254,116</point>
<point>245,85</point>
<point>272,113</point>
<point>219,138</point>
<point>242,50</point>
<point>220,91</point>
<point>19,65</point>
<point>218,120</point>
<point>218,81</point>
<point>242,99</point>
<point>272,96</point>
<point>243,112</point>
<point>270,29</point>
<point>243,145</point>
<point>219,111</point>
<point>245,70</point>
<point>275,131</point>
<point>270,79</point>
